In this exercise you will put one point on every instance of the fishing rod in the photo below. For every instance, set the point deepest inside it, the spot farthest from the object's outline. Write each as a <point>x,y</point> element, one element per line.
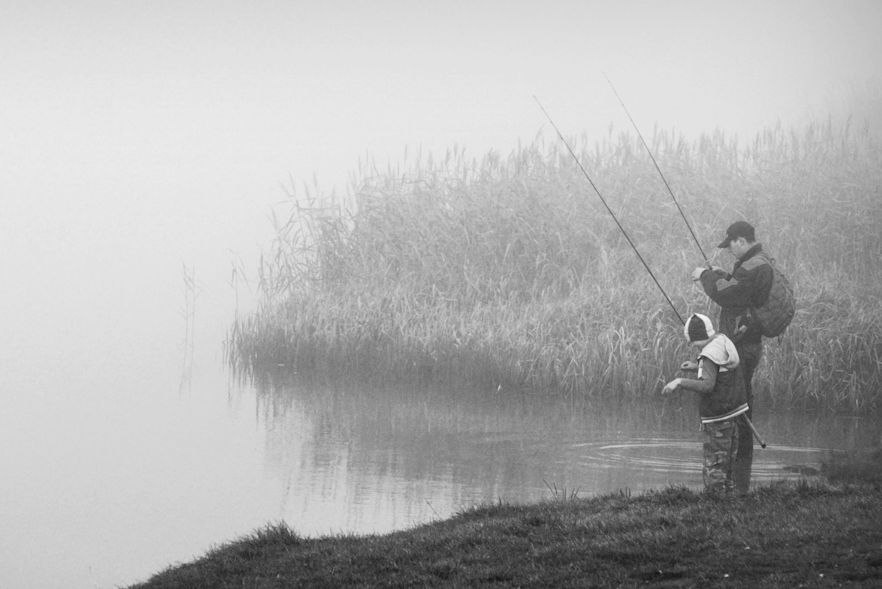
<point>625,233</point>
<point>756,434</point>
<point>609,210</point>
<point>658,169</point>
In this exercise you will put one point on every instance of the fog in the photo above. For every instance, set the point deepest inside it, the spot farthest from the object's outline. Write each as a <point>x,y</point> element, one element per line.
<point>141,137</point>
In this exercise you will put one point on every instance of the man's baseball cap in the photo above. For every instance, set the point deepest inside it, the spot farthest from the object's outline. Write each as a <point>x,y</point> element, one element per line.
<point>736,230</point>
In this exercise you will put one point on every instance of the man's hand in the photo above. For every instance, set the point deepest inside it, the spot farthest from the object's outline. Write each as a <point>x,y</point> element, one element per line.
<point>696,274</point>
<point>671,386</point>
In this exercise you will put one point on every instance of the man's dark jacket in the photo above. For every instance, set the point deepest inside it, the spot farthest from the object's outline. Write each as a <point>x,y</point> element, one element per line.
<point>747,286</point>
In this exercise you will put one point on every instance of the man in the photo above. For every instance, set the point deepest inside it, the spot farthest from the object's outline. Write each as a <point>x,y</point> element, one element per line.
<point>747,286</point>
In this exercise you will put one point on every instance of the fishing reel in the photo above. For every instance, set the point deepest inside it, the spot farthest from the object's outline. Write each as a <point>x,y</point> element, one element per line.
<point>689,366</point>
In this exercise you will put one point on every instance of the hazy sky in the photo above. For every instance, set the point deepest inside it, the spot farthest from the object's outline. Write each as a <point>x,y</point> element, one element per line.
<point>145,134</point>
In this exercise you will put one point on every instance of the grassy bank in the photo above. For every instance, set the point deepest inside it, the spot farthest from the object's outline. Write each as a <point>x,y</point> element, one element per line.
<point>784,535</point>
<point>510,271</point>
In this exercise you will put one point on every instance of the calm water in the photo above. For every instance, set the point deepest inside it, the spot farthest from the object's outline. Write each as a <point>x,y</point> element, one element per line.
<point>116,465</point>
<point>356,459</point>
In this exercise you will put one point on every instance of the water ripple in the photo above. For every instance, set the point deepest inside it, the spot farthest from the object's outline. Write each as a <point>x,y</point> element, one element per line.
<point>684,456</point>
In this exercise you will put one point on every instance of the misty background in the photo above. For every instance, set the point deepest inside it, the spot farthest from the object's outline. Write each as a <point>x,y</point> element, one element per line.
<point>139,138</point>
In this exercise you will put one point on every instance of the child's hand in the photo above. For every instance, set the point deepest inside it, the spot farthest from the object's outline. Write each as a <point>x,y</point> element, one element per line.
<point>689,366</point>
<point>671,386</point>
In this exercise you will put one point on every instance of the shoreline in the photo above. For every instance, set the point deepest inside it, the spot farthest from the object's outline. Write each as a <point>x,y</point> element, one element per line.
<point>782,534</point>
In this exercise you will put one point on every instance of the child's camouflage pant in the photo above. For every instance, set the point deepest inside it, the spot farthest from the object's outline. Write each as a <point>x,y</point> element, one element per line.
<point>720,449</point>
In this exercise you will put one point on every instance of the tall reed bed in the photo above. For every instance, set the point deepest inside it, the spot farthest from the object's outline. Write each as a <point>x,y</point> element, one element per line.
<point>508,272</point>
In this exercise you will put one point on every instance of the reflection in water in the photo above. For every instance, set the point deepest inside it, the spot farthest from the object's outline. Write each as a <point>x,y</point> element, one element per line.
<point>359,459</point>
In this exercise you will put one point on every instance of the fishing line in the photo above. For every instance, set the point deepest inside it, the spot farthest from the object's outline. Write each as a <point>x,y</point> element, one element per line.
<point>609,210</point>
<point>658,169</point>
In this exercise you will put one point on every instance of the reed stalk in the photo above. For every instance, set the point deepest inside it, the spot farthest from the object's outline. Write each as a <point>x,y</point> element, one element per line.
<point>507,272</point>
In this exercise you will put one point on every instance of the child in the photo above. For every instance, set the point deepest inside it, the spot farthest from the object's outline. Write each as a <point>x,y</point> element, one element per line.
<point>721,398</point>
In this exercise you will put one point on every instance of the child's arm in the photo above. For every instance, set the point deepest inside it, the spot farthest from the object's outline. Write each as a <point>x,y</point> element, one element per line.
<point>707,379</point>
